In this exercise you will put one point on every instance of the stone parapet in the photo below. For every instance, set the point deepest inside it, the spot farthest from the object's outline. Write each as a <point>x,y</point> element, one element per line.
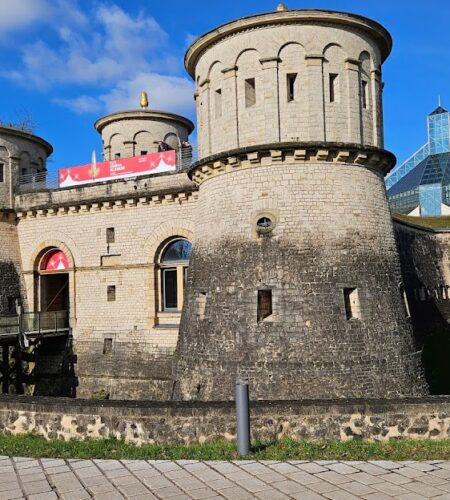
<point>145,422</point>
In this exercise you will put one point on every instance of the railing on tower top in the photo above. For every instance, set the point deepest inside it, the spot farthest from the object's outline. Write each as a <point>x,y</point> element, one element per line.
<point>49,180</point>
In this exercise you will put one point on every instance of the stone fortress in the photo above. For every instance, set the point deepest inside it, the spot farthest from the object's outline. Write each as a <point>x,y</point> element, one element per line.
<point>273,257</point>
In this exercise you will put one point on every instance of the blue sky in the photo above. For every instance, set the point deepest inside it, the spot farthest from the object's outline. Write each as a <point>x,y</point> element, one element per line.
<point>69,62</point>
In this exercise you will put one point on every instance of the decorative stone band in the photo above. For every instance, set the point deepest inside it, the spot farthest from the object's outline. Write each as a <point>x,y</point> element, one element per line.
<point>107,205</point>
<point>292,153</point>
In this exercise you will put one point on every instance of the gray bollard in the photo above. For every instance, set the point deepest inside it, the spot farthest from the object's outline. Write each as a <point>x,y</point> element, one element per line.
<point>242,418</point>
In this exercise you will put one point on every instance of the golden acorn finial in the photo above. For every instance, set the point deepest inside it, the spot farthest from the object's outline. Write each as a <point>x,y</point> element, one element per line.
<point>282,7</point>
<point>144,100</point>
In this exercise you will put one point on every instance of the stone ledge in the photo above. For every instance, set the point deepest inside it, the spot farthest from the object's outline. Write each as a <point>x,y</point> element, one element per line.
<point>292,153</point>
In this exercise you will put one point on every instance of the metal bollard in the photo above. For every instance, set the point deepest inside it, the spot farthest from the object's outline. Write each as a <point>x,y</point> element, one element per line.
<point>242,418</point>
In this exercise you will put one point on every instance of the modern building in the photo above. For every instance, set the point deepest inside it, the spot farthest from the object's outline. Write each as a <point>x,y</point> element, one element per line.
<point>420,186</point>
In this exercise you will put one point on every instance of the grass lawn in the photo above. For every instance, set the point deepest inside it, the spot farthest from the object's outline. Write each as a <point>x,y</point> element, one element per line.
<point>286,449</point>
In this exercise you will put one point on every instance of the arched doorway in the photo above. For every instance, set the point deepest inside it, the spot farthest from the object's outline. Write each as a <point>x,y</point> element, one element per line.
<point>53,293</point>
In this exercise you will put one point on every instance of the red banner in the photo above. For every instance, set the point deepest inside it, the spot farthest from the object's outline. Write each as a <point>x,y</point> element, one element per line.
<point>154,163</point>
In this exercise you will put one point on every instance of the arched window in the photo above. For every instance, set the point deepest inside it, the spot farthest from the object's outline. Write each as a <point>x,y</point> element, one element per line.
<point>173,265</point>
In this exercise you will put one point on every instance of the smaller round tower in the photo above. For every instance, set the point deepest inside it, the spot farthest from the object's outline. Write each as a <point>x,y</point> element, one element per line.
<point>21,154</point>
<point>138,132</point>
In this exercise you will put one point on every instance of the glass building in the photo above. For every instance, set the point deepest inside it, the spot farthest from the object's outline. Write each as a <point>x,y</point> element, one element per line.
<point>421,185</point>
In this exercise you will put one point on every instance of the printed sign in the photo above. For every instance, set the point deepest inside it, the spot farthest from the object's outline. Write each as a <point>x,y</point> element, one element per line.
<point>153,163</point>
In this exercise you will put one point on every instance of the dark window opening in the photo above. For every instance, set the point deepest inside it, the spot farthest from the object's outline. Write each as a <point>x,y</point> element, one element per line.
<point>333,86</point>
<point>170,289</point>
<point>2,172</point>
<point>110,235</point>
<point>218,102</point>
<point>351,303</point>
<point>291,77</point>
<point>117,156</point>
<point>143,152</point>
<point>364,94</point>
<point>12,305</point>
<point>264,304</point>
<point>111,293</point>
<point>250,92</point>
<point>107,346</point>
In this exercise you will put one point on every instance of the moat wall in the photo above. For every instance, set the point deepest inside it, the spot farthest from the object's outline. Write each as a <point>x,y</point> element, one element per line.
<point>188,422</point>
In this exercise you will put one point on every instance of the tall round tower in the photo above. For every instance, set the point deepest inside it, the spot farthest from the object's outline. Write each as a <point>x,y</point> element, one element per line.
<point>22,155</point>
<point>294,281</point>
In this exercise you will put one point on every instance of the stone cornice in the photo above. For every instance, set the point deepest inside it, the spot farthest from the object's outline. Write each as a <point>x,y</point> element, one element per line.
<point>304,16</point>
<point>115,204</point>
<point>15,132</point>
<point>142,114</point>
<point>297,153</point>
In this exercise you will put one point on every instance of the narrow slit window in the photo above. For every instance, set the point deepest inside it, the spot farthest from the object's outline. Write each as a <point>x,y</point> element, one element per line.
<point>250,92</point>
<point>107,346</point>
<point>201,305</point>
<point>218,102</point>
<point>2,172</point>
<point>333,81</point>
<point>351,303</point>
<point>291,78</point>
<point>264,304</point>
<point>110,235</point>
<point>364,94</point>
<point>111,293</point>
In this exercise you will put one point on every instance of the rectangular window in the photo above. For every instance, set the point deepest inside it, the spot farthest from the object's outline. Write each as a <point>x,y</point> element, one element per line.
<point>107,346</point>
<point>290,80</point>
<point>364,94</point>
<point>201,305</point>
<point>264,304</point>
<point>250,92</point>
<point>117,156</point>
<point>218,102</point>
<point>351,302</point>
<point>170,289</point>
<point>111,293</point>
<point>2,172</point>
<point>143,153</point>
<point>12,305</point>
<point>333,87</point>
<point>110,235</point>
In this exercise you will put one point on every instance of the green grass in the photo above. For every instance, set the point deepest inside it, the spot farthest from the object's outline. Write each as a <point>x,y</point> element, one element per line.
<point>441,222</point>
<point>286,449</point>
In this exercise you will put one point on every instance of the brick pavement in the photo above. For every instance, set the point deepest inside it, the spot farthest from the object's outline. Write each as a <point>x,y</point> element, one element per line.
<point>47,479</point>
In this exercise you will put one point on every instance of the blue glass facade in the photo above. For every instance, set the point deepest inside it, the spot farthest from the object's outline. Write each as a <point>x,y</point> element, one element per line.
<point>422,182</point>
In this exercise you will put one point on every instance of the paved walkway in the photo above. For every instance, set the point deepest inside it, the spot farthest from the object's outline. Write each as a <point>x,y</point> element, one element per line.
<point>189,479</point>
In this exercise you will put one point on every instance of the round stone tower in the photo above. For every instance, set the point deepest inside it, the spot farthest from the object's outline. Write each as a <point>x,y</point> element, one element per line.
<point>134,133</point>
<point>21,156</point>
<point>294,281</point>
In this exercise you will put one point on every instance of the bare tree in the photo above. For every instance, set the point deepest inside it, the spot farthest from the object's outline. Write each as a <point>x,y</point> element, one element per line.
<point>24,121</point>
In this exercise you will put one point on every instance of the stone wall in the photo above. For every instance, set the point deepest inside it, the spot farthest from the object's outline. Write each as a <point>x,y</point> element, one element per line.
<point>332,233</point>
<point>10,268</point>
<point>425,259</point>
<point>188,422</point>
<point>123,347</point>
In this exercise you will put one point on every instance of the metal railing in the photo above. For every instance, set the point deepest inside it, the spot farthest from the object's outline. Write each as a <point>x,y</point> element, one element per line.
<point>49,180</point>
<point>35,324</point>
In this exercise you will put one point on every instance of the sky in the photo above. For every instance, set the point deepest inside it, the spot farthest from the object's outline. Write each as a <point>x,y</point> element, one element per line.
<point>67,62</point>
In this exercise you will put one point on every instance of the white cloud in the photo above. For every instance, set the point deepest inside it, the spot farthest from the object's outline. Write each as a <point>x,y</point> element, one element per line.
<point>80,105</point>
<point>168,93</point>
<point>110,54</point>
<point>18,14</point>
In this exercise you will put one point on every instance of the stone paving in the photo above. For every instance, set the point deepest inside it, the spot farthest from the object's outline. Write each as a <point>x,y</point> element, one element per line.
<point>48,479</point>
